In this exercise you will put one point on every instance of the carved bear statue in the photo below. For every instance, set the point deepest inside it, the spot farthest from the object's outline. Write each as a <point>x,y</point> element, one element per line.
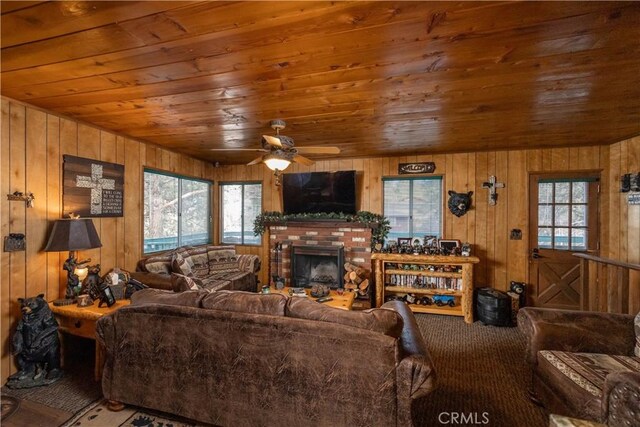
<point>36,345</point>
<point>459,203</point>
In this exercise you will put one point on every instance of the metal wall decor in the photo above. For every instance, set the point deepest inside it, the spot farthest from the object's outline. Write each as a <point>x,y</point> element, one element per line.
<point>92,188</point>
<point>415,168</point>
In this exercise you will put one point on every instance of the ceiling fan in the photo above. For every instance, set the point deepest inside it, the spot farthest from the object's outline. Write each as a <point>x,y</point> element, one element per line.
<point>280,151</point>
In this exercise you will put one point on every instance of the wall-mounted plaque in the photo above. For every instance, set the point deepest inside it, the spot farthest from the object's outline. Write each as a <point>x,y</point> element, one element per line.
<point>92,188</point>
<point>411,168</point>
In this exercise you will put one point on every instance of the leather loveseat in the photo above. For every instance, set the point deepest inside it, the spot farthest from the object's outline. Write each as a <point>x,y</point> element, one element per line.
<point>240,359</point>
<point>584,364</point>
<point>206,267</point>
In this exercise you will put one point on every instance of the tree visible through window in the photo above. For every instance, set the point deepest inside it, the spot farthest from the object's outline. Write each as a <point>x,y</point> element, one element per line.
<point>241,204</point>
<point>413,206</point>
<point>176,211</point>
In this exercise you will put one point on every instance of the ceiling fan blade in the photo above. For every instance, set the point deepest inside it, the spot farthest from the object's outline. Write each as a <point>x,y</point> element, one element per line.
<point>238,149</point>
<point>300,159</point>
<point>255,161</point>
<point>318,150</point>
<point>272,140</point>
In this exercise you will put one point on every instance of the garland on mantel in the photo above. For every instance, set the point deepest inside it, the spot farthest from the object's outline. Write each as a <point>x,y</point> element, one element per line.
<point>379,224</point>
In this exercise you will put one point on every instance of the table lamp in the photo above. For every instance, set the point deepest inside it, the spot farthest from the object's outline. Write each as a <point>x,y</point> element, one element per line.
<point>72,235</point>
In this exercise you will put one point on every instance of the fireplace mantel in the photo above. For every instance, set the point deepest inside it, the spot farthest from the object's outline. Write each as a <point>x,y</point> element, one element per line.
<point>325,223</point>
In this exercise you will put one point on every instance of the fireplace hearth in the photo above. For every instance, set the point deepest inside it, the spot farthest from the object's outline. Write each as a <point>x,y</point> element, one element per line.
<point>317,265</point>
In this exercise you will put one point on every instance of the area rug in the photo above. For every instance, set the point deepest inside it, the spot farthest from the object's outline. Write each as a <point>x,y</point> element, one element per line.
<point>98,415</point>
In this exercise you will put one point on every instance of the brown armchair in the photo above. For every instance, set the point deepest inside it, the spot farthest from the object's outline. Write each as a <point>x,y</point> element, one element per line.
<point>583,364</point>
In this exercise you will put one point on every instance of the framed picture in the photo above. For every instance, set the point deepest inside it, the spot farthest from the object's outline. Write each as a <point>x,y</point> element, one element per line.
<point>449,245</point>
<point>404,241</point>
<point>431,241</point>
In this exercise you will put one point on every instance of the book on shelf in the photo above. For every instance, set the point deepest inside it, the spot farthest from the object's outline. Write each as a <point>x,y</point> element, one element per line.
<point>423,282</point>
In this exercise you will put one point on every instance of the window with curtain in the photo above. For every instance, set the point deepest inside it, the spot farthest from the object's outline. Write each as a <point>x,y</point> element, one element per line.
<point>413,206</point>
<point>240,204</point>
<point>177,211</point>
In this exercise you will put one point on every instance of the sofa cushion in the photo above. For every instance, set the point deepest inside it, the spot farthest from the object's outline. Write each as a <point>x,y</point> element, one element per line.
<point>181,283</point>
<point>246,302</point>
<point>196,256</point>
<point>384,321</point>
<point>160,264</point>
<point>636,326</point>
<point>157,296</point>
<point>222,259</point>
<point>180,265</point>
<point>580,377</point>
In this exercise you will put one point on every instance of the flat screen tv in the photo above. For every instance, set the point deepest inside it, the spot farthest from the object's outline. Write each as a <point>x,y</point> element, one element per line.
<point>315,192</point>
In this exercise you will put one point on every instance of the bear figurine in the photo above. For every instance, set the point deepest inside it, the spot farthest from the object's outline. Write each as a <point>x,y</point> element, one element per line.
<point>36,345</point>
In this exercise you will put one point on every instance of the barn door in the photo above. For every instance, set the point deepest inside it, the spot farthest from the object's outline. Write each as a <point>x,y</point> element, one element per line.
<point>563,220</point>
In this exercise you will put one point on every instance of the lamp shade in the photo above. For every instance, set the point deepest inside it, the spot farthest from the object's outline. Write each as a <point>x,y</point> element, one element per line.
<point>73,235</point>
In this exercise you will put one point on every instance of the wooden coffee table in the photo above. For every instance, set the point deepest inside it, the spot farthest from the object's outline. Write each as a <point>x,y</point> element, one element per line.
<point>343,302</point>
<point>81,322</point>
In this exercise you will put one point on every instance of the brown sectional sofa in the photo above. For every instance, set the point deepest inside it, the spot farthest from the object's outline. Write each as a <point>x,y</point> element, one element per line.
<point>206,267</point>
<point>236,358</point>
<point>584,364</point>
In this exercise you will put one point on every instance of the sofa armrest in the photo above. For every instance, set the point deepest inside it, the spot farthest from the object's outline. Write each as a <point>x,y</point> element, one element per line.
<point>621,398</point>
<point>105,336</point>
<point>250,263</point>
<point>575,331</point>
<point>153,280</point>
<point>415,374</point>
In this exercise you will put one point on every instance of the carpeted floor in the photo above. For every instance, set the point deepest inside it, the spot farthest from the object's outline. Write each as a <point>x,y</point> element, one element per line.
<point>481,373</point>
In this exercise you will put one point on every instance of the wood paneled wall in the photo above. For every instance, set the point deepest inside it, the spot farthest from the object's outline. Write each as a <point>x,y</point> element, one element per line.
<point>487,227</point>
<point>33,143</point>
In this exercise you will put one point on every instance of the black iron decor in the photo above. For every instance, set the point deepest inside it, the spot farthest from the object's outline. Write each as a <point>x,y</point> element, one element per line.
<point>415,168</point>
<point>36,345</point>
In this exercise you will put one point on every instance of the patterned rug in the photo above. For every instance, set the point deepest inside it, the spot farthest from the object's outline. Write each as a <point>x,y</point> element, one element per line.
<point>97,415</point>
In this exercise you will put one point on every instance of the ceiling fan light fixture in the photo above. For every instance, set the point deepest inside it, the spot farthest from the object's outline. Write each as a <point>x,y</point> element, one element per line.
<point>275,162</point>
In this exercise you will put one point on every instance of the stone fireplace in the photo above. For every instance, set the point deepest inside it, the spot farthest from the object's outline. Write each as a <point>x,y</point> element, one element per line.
<point>317,265</point>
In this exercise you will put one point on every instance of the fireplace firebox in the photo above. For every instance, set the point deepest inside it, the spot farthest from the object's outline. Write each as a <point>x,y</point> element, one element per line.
<point>317,265</point>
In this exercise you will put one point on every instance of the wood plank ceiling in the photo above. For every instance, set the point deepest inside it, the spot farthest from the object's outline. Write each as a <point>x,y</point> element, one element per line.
<point>373,78</point>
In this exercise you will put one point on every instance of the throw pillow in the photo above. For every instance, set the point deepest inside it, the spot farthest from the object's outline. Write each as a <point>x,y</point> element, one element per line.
<point>636,325</point>
<point>180,265</point>
<point>181,283</point>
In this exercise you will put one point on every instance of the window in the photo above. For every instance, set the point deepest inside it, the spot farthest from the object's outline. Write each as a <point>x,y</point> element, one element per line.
<point>563,218</point>
<point>413,206</point>
<point>176,211</point>
<point>241,204</point>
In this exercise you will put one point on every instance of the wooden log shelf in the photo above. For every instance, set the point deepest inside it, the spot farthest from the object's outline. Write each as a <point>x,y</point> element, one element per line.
<point>386,265</point>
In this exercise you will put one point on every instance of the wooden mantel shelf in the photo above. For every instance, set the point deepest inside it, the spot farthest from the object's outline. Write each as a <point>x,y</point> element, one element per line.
<point>325,223</point>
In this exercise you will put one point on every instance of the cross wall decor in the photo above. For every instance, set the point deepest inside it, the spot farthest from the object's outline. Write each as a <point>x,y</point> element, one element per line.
<point>92,188</point>
<point>492,185</point>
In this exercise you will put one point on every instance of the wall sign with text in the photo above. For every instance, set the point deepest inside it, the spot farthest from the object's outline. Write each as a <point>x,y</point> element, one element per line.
<point>411,168</point>
<point>92,188</point>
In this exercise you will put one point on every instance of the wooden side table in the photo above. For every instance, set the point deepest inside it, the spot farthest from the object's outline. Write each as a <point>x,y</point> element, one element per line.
<point>81,322</point>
